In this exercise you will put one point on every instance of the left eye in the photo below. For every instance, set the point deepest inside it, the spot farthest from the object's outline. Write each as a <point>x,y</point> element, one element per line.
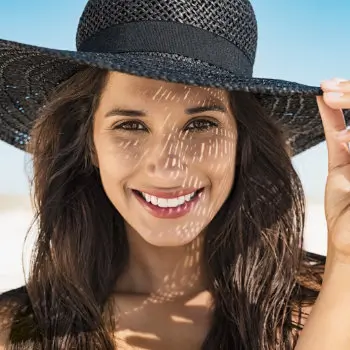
<point>200,125</point>
<point>132,125</point>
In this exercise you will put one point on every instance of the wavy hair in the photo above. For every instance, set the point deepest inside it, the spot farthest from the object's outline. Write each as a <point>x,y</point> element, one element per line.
<point>258,274</point>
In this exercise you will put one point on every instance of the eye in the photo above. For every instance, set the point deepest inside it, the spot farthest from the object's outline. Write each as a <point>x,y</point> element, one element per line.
<point>132,125</point>
<point>200,125</point>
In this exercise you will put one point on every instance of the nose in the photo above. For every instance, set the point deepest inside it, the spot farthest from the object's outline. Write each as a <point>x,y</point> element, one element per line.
<point>166,158</point>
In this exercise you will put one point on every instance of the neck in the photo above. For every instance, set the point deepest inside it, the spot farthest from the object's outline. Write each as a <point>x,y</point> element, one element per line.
<point>172,273</point>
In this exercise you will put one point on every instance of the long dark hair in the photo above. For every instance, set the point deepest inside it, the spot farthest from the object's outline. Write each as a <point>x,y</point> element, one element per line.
<point>259,275</point>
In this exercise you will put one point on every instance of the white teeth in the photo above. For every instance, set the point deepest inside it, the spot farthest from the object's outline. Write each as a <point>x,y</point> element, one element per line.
<point>187,197</point>
<point>181,200</point>
<point>173,202</point>
<point>168,203</point>
<point>162,203</point>
<point>154,200</point>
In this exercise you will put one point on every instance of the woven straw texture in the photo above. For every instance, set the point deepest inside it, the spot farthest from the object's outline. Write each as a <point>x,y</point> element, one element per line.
<point>232,20</point>
<point>28,73</point>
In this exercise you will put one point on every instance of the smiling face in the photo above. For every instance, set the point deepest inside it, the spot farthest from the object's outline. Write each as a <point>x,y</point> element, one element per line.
<point>166,155</point>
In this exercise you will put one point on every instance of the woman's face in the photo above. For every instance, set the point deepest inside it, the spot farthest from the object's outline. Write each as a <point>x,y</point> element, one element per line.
<point>166,155</point>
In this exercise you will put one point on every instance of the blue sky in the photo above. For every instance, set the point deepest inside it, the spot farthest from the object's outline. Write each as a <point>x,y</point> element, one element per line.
<point>300,40</point>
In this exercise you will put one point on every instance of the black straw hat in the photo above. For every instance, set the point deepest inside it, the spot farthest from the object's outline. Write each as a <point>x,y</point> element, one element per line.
<point>199,42</point>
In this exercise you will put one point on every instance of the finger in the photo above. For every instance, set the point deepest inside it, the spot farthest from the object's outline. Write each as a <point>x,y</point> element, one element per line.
<point>333,124</point>
<point>336,84</point>
<point>337,100</point>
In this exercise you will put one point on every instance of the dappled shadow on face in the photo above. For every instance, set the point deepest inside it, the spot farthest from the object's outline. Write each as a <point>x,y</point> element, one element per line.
<point>165,137</point>
<point>166,157</point>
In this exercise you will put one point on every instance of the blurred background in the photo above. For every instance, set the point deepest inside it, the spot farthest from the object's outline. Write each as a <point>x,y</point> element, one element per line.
<point>303,41</point>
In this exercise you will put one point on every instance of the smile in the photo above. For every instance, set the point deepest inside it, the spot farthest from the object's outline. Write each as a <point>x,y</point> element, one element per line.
<point>168,205</point>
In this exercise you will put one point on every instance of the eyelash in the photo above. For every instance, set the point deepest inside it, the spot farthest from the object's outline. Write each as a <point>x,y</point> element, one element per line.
<point>134,125</point>
<point>126,126</point>
<point>205,125</point>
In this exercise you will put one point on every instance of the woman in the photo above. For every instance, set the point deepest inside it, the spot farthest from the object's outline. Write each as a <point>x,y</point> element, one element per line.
<point>169,214</point>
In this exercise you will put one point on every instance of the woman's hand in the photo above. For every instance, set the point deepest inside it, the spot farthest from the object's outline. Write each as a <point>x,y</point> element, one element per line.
<point>328,325</point>
<point>337,195</point>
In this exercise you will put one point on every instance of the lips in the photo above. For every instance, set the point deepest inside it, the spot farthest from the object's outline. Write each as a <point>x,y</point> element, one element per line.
<point>169,194</point>
<point>168,204</point>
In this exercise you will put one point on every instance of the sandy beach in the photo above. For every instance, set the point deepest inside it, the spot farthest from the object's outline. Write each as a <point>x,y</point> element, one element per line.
<point>16,216</point>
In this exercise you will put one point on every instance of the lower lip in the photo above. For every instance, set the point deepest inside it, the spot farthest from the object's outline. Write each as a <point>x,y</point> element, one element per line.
<point>169,213</point>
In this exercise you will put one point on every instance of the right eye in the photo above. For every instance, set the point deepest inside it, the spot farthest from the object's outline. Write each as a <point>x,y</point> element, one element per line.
<point>132,125</point>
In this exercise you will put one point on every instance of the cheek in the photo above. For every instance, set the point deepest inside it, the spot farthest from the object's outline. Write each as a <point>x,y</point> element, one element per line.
<point>216,151</point>
<point>120,152</point>
<point>116,162</point>
<point>217,158</point>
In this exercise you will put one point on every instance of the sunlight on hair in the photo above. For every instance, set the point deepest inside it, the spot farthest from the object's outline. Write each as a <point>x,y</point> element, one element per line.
<point>158,199</point>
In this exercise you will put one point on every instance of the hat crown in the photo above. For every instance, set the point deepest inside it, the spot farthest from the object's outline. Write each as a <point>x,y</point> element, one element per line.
<point>233,20</point>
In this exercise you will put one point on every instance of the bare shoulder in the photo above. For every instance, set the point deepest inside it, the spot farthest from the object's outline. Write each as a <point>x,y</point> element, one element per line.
<point>9,303</point>
<point>4,338</point>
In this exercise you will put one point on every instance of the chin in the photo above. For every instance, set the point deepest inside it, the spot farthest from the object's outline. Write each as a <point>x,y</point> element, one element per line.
<point>167,239</point>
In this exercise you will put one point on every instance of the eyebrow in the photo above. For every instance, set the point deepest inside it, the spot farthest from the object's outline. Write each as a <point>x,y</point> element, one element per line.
<point>189,111</point>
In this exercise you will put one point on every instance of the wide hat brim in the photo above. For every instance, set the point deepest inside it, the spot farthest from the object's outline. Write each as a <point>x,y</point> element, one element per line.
<point>29,73</point>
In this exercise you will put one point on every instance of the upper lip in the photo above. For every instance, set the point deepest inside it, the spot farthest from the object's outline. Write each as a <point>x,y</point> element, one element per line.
<point>162,193</point>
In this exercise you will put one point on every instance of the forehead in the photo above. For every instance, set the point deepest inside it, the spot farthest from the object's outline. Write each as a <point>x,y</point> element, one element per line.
<point>122,87</point>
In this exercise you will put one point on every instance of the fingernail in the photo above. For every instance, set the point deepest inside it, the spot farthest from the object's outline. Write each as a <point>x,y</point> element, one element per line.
<point>335,95</point>
<point>339,80</point>
<point>333,83</point>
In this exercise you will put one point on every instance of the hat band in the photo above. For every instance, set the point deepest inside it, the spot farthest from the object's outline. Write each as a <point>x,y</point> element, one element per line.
<point>170,37</point>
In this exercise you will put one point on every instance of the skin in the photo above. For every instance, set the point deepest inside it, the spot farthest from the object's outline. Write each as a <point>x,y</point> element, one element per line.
<point>153,282</point>
<point>163,154</point>
<point>166,265</point>
<point>328,326</point>
<point>165,150</point>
